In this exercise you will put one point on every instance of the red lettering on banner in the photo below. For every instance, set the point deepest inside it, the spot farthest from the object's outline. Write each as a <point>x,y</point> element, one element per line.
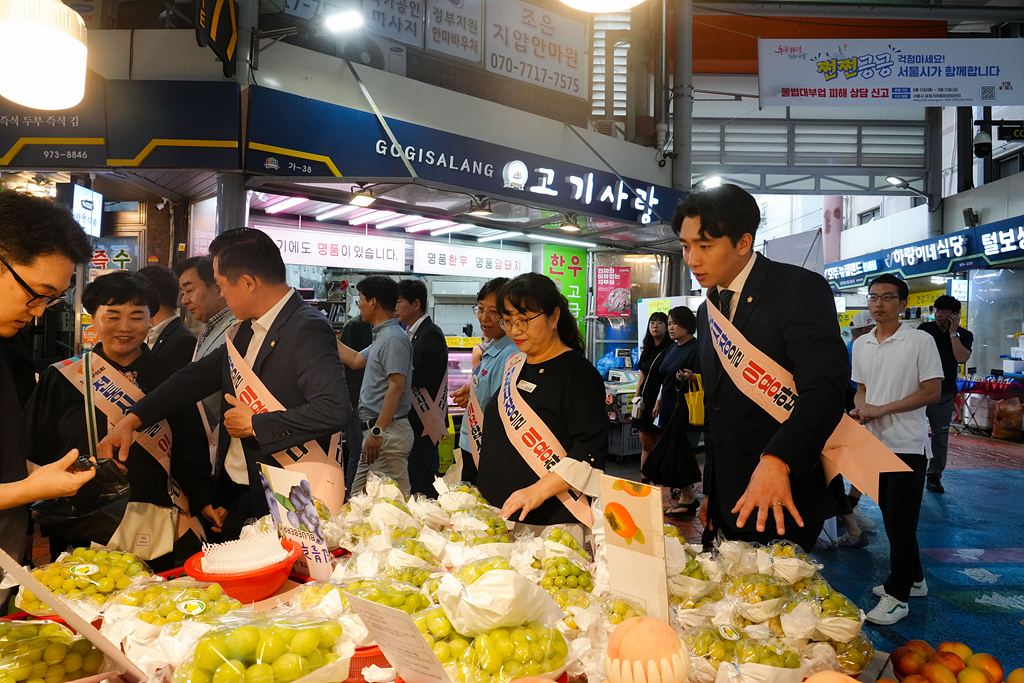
<point>164,444</point>
<point>774,389</point>
<point>531,438</point>
<point>752,372</point>
<point>765,383</point>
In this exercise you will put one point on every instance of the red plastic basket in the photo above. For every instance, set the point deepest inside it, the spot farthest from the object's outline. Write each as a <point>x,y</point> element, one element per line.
<point>249,587</point>
<point>368,656</point>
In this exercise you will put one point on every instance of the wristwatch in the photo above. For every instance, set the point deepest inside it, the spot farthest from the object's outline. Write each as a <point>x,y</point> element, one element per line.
<point>376,431</point>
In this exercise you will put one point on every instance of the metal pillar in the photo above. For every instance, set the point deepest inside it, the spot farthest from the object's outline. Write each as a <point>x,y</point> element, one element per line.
<point>964,148</point>
<point>682,97</point>
<point>232,201</point>
<point>933,174</point>
<point>248,22</point>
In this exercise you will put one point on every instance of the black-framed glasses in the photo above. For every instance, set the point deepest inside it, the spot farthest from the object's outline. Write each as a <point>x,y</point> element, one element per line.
<point>509,324</point>
<point>887,298</point>
<point>485,314</point>
<point>37,298</point>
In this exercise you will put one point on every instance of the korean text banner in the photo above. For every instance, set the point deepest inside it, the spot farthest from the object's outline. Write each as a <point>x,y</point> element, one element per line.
<point>338,249</point>
<point>438,258</point>
<point>914,72</point>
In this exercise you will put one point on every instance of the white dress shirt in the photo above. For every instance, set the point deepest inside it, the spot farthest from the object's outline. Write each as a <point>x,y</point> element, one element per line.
<point>155,331</point>
<point>411,330</point>
<point>736,286</point>
<point>234,461</point>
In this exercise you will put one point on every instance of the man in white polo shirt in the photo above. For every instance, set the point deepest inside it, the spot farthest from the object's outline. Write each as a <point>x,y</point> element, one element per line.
<point>898,372</point>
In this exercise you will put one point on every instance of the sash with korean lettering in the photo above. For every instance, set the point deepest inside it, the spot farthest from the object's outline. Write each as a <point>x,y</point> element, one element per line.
<point>852,450</point>
<point>433,412</point>
<point>532,438</point>
<point>114,394</point>
<point>475,426</point>
<point>326,474</point>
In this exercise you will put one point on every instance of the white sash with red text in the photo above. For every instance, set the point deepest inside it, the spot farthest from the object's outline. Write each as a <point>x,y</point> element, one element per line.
<point>326,475</point>
<point>852,450</point>
<point>433,412</point>
<point>114,394</point>
<point>532,438</point>
<point>475,426</point>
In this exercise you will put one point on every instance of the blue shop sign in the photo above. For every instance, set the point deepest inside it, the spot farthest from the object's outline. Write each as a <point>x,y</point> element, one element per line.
<point>978,247</point>
<point>288,135</point>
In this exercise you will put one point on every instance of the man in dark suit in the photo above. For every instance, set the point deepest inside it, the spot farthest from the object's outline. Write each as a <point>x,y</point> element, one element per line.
<point>169,338</point>
<point>429,363</point>
<point>291,348</point>
<point>755,465</point>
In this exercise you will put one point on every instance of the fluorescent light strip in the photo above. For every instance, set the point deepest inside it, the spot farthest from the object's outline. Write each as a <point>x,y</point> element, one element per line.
<point>398,220</point>
<point>285,204</point>
<point>372,217</point>
<point>450,229</point>
<point>500,236</point>
<point>558,240</point>
<point>429,225</point>
<point>339,211</point>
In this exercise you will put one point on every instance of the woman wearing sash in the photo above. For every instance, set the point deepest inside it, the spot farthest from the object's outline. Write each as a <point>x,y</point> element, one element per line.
<point>656,343</point>
<point>55,421</point>
<point>545,433</point>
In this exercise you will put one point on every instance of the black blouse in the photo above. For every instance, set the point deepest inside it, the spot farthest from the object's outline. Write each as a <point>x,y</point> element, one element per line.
<point>569,398</point>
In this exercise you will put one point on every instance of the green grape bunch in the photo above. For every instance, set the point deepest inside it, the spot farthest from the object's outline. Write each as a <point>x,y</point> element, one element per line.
<point>561,572</point>
<point>86,573</point>
<point>756,588</point>
<point>503,654</point>
<point>177,600</point>
<point>752,651</point>
<point>415,576</point>
<point>43,652</point>
<point>854,656</point>
<point>413,547</point>
<point>403,596</point>
<point>468,573</point>
<point>716,644</point>
<point>556,535</point>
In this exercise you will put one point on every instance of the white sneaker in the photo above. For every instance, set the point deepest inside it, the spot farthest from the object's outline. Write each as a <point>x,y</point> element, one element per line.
<point>863,521</point>
<point>918,590</point>
<point>889,610</point>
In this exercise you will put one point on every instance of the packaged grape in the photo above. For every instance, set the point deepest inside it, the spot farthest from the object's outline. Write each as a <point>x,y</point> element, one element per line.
<point>759,596</point>
<point>764,661</point>
<point>458,496</point>
<point>428,512</point>
<point>690,574</point>
<point>563,572</point>
<point>789,562</point>
<point>489,594</point>
<point>854,655</point>
<point>838,618</point>
<point>327,599</point>
<point>478,547</point>
<point>739,558</point>
<point>672,531</point>
<point>558,540</point>
<point>709,646</point>
<point>479,521</point>
<point>43,651</point>
<point>267,648</point>
<point>501,655</point>
<point>584,604</point>
<point>391,512</point>
<point>85,578</point>
<point>403,596</point>
<point>687,613</point>
<point>381,487</point>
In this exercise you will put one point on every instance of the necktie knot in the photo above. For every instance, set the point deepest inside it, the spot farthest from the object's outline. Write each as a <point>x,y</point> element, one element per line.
<point>725,302</point>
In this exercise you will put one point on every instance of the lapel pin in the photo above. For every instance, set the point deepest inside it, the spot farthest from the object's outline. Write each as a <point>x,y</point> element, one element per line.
<point>750,299</point>
<point>272,342</point>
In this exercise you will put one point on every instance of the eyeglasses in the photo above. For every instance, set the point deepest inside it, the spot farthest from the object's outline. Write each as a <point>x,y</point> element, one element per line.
<point>485,314</point>
<point>887,298</point>
<point>37,298</point>
<point>510,325</point>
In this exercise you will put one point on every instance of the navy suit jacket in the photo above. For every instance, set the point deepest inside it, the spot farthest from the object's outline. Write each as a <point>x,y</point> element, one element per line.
<point>789,314</point>
<point>175,345</point>
<point>298,362</point>
<point>429,361</point>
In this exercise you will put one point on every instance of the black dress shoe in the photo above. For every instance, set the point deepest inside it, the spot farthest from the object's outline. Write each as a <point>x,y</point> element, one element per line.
<point>935,484</point>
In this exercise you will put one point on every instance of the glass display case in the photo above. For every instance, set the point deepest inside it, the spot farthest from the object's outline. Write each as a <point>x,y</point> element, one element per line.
<point>460,368</point>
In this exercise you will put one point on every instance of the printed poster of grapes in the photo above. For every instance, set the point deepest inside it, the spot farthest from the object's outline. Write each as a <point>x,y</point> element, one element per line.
<point>614,299</point>
<point>294,510</point>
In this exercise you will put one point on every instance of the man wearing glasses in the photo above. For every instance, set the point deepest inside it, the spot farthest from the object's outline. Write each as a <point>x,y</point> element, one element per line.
<point>898,372</point>
<point>487,374</point>
<point>40,243</point>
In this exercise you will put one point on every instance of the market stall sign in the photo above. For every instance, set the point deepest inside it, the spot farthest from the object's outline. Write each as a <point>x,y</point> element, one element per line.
<point>535,46</point>
<point>216,23</point>
<point>338,250</point>
<point>66,139</point>
<point>567,266</point>
<point>921,72</point>
<point>455,28</point>
<point>401,21</point>
<point>290,135</point>
<point>1014,133</point>
<point>984,245</point>
<point>614,298</point>
<point>438,258</point>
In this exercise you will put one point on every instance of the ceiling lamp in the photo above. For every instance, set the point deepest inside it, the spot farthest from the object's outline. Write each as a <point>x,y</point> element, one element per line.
<point>570,223</point>
<point>283,204</point>
<point>480,207</point>
<point>54,31</point>
<point>337,211</point>
<point>501,235</point>
<point>430,224</point>
<point>602,6</point>
<point>559,240</point>
<point>450,229</point>
<point>361,198</point>
<point>344,21</point>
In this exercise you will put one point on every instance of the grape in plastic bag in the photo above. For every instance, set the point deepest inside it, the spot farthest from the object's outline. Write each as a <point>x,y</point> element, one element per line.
<point>45,651</point>
<point>87,574</point>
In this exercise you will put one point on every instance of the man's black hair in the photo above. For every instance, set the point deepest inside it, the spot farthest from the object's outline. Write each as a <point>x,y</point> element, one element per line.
<point>491,287</point>
<point>413,290</point>
<point>724,211</point>
<point>248,251</point>
<point>34,226</point>
<point>889,279</point>
<point>166,283</point>
<point>122,287</point>
<point>203,265</point>
<point>947,303</point>
<point>379,287</point>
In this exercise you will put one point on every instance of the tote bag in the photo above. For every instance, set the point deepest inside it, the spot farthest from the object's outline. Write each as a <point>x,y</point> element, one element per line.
<point>695,401</point>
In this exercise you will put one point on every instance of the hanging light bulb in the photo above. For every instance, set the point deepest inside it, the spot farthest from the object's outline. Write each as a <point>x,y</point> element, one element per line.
<point>50,28</point>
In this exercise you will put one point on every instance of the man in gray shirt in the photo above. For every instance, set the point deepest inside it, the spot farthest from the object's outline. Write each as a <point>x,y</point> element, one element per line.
<point>386,395</point>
